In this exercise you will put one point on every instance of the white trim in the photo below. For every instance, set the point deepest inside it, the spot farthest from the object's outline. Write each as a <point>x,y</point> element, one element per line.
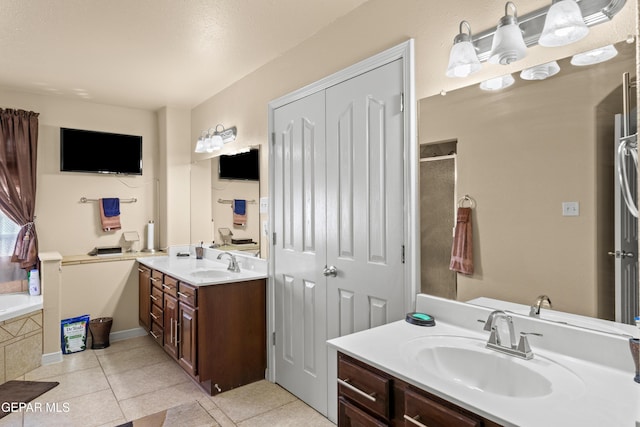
<point>49,358</point>
<point>126,334</point>
<point>436,158</point>
<point>405,52</point>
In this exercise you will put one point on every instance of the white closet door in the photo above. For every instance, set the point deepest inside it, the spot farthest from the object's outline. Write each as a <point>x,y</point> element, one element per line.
<point>365,220</point>
<point>299,250</point>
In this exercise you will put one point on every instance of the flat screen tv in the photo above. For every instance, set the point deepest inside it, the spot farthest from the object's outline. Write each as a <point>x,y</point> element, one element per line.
<point>100,152</point>
<point>244,166</point>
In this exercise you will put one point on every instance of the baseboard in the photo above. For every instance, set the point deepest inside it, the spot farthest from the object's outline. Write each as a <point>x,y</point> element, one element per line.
<point>126,334</point>
<point>49,358</point>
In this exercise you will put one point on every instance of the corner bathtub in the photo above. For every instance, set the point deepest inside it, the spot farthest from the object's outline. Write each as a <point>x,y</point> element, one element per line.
<point>14,305</point>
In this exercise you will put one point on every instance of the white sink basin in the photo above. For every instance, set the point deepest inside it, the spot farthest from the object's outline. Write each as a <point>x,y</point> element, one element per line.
<point>465,362</point>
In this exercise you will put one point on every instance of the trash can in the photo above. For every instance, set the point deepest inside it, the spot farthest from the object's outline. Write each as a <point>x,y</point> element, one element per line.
<point>100,329</point>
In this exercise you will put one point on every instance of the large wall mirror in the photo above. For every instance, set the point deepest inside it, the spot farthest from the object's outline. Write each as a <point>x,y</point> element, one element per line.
<point>236,177</point>
<point>521,154</point>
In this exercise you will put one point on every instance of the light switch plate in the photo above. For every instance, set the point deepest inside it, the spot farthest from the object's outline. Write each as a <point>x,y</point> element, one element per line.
<point>570,208</point>
<point>264,205</point>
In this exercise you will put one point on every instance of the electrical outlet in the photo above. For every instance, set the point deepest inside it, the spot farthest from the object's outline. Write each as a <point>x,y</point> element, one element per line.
<point>265,228</point>
<point>570,208</point>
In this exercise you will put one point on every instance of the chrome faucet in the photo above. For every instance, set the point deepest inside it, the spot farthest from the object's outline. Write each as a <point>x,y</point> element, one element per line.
<point>535,308</point>
<point>233,263</point>
<point>521,350</point>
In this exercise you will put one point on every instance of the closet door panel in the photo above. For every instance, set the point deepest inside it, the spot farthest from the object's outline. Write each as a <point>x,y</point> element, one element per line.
<point>299,251</point>
<point>365,187</point>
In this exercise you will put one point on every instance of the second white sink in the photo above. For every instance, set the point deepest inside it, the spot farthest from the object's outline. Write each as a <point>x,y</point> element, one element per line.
<point>467,363</point>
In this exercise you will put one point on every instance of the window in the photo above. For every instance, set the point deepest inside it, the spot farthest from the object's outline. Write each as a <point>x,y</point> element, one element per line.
<point>9,271</point>
<point>8,233</point>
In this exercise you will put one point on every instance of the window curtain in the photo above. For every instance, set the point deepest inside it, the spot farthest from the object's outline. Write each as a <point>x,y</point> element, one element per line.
<point>18,155</point>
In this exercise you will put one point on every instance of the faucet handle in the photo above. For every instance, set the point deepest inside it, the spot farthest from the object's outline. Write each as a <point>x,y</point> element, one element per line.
<point>523,344</point>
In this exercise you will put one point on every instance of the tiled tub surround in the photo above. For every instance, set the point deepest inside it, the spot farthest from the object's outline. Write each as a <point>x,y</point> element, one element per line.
<point>20,344</point>
<point>603,362</point>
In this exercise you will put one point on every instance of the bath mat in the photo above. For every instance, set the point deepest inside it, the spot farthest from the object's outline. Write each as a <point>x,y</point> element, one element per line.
<point>22,391</point>
<point>187,414</point>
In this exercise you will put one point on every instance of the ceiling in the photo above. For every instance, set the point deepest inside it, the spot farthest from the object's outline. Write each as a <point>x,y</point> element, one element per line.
<point>149,53</point>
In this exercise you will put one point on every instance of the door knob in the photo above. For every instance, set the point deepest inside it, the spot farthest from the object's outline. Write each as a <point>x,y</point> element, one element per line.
<point>622,254</point>
<point>330,271</point>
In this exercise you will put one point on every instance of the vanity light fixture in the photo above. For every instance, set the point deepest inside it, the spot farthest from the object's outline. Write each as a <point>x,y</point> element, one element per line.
<point>532,24</point>
<point>564,24</point>
<point>463,59</point>
<point>508,44</point>
<point>497,83</point>
<point>540,72</point>
<point>594,56</point>
<point>214,139</point>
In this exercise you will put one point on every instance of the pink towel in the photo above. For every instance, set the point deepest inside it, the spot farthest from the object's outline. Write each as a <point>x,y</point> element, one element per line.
<point>462,248</point>
<point>108,223</point>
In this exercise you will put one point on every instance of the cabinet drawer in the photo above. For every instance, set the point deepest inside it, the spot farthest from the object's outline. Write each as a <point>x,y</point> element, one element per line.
<point>421,411</point>
<point>363,386</point>
<point>188,294</point>
<point>157,314</point>
<point>156,296</point>
<point>170,285</point>
<point>352,416</point>
<point>156,279</point>
<point>157,333</point>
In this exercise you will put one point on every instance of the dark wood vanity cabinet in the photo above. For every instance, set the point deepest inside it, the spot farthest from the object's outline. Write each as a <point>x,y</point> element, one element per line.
<point>144,292</point>
<point>157,307</point>
<point>370,397</point>
<point>187,328</point>
<point>216,333</point>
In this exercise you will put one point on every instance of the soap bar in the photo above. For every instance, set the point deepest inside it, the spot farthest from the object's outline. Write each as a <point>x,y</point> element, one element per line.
<point>420,319</point>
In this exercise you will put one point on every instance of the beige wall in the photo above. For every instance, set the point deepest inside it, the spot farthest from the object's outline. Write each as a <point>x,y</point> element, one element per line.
<point>64,224</point>
<point>374,27</point>
<point>69,227</point>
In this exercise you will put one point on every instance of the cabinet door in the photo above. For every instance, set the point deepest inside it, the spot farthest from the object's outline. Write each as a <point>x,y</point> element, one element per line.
<point>187,338</point>
<point>351,416</point>
<point>144,285</point>
<point>171,325</point>
<point>422,411</point>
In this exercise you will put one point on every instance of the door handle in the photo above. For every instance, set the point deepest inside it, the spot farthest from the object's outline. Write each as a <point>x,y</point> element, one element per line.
<point>330,271</point>
<point>622,254</point>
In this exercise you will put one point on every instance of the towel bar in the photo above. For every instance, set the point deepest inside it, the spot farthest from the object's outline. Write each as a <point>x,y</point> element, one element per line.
<point>253,202</point>
<point>85,200</point>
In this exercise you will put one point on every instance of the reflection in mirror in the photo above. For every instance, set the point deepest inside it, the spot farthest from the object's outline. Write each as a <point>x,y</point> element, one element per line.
<point>235,196</point>
<point>538,160</point>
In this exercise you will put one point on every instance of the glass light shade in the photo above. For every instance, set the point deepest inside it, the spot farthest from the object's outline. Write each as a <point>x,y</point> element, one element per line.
<point>208,147</point>
<point>216,142</point>
<point>497,83</point>
<point>200,145</point>
<point>508,45</point>
<point>540,72</point>
<point>563,25</point>
<point>463,60</point>
<point>594,56</point>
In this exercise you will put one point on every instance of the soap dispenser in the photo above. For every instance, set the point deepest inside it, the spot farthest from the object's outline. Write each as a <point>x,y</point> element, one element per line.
<point>199,251</point>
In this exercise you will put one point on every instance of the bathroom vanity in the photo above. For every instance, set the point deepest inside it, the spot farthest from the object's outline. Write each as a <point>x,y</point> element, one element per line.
<point>404,374</point>
<point>210,320</point>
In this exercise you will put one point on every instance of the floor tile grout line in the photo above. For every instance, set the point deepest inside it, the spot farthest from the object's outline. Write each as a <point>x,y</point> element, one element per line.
<point>111,389</point>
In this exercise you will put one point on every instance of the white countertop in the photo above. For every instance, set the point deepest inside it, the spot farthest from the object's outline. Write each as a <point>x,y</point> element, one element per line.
<point>183,268</point>
<point>609,397</point>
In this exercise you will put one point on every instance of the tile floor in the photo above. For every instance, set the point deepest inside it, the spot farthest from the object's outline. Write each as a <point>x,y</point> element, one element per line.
<point>135,378</point>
